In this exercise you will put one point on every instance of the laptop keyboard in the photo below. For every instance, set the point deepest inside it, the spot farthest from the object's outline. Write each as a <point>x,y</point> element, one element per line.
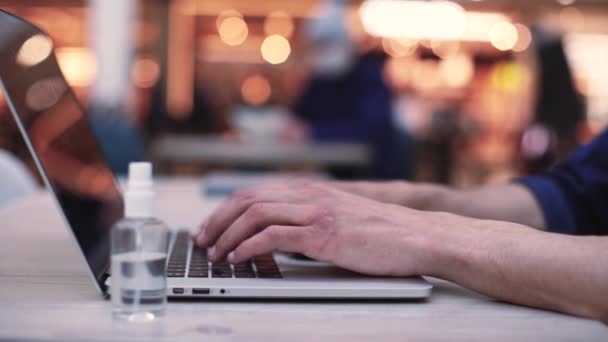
<point>199,266</point>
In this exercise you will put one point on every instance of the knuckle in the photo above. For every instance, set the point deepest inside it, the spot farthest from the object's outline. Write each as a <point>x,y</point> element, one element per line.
<point>325,235</point>
<point>274,233</point>
<point>244,196</point>
<point>256,211</point>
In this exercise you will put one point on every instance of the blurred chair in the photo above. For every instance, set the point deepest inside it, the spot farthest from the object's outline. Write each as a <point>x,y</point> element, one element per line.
<point>16,181</point>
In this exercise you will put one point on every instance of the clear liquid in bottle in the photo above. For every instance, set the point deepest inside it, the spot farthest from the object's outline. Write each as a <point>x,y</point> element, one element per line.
<point>139,254</point>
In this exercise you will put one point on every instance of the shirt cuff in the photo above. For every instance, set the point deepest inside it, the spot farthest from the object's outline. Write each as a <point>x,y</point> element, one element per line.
<point>556,210</point>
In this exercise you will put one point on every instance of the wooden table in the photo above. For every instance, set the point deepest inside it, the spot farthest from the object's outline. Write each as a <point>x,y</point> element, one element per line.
<point>210,150</point>
<point>45,294</point>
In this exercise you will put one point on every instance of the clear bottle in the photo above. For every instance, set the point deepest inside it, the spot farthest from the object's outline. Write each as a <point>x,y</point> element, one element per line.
<point>139,252</point>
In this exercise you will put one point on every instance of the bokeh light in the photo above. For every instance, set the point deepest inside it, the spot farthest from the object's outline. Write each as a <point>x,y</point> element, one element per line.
<point>233,31</point>
<point>445,49</point>
<point>425,76</point>
<point>229,13</point>
<point>145,72</point>
<point>275,49</point>
<point>45,93</point>
<point>34,50</point>
<point>256,90</point>
<point>503,36</point>
<point>509,77</point>
<point>398,71</point>
<point>78,65</point>
<point>524,38</point>
<point>445,20</point>
<point>457,70</point>
<point>279,22</point>
<point>399,47</point>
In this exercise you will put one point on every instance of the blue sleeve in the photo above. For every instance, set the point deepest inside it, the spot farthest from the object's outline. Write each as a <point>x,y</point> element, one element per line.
<point>574,195</point>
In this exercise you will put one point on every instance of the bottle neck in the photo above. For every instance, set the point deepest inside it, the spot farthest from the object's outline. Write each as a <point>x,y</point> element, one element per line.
<point>139,204</point>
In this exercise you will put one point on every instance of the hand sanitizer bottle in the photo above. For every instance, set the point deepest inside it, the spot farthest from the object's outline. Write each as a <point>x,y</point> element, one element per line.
<point>139,252</point>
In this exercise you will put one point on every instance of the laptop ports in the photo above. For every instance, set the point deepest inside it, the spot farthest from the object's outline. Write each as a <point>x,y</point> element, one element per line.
<point>201,291</point>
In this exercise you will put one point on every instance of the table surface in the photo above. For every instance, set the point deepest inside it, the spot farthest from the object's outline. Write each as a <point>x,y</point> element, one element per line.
<point>45,294</point>
<point>215,150</point>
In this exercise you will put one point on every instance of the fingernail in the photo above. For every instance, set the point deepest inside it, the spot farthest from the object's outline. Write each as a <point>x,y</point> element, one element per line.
<point>201,238</point>
<point>231,257</point>
<point>211,252</point>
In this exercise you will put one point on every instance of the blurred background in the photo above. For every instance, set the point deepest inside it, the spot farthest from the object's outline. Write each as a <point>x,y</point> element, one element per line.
<point>455,92</point>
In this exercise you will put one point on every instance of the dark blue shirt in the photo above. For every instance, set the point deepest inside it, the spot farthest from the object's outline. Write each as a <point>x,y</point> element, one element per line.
<point>357,107</point>
<point>574,194</point>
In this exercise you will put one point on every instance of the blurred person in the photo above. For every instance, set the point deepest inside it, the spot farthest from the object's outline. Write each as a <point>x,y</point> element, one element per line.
<point>559,110</point>
<point>347,98</point>
<point>539,241</point>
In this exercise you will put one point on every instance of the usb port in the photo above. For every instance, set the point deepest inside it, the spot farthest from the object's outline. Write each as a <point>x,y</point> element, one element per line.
<point>199,291</point>
<point>178,290</point>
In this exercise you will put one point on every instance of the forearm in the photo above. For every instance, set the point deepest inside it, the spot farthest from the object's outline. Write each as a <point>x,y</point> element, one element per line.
<point>508,202</point>
<point>517,264</point>
<point>505,202</point>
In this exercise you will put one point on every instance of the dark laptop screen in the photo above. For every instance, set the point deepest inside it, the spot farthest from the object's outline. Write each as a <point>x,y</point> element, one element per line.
<point>60,136</point>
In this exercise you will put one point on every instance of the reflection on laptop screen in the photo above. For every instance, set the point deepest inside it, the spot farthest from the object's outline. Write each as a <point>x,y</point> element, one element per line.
<point>59,133</point>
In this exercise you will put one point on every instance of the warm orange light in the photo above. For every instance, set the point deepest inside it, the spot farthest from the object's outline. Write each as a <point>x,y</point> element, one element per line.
<point>233,31</point>
<point>440,19</point>
<point>402,47</point>
<point>398,71</point>
<point>524,38</point>
<point>445,49</point>
<point>457,70</point>
<point>78,65</point>
<point>145,72</point>
<point>275,49</point>
<point>256,90</point>
<point>425,76</point>
<point>571,19</point>
<point>229,13</point>
<point>279,22</point>
<point>34,50</point>
<point>503,36</point>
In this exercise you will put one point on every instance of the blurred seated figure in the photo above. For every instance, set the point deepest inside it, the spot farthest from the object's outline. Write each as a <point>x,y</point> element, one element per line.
<point>559,109</point>
<point>15,179</point>
<point>347,99</point>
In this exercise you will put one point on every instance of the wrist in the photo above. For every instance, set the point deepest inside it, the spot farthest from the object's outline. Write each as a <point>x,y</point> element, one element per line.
<point>446,242</point>
<point>424,196</point>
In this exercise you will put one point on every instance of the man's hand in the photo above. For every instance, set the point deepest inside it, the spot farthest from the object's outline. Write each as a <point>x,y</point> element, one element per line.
<point>320,222</point>
<point>500,259</point>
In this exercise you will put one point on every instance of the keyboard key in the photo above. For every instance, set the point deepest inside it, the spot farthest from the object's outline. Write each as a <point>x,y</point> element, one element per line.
<point>219,273</point>
<point>198,274</point>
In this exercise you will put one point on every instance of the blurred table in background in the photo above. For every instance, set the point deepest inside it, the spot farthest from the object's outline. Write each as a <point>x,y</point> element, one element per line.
<point>213,150</point>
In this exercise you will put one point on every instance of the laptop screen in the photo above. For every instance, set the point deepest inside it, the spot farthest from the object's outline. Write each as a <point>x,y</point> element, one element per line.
<point>60,138</point>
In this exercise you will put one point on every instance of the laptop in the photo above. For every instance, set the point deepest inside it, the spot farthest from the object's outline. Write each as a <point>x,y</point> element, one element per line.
<point>75,171</point>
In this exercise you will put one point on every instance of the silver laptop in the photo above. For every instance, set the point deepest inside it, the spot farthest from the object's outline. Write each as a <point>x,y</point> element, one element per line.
<point>69,159</point>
